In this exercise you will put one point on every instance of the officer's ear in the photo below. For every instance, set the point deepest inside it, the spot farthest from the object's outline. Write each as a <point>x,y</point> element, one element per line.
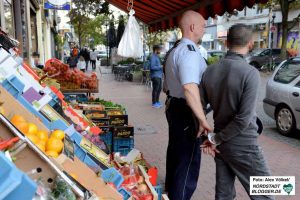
<point>192,27</point>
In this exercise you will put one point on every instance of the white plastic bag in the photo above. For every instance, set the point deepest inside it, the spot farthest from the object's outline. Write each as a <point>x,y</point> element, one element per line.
<point>131,43</point>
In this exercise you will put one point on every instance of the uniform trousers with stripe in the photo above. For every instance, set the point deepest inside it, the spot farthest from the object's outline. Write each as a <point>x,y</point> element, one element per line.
<point>183,153</point>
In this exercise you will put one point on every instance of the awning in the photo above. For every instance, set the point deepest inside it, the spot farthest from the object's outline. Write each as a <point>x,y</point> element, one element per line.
<point>164,14</point>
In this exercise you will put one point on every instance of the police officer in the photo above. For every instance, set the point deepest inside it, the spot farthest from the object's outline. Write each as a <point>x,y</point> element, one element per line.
<point>186,119</point>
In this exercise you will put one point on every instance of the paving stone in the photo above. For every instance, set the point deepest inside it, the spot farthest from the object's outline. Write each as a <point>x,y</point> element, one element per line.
<point>281,153</point>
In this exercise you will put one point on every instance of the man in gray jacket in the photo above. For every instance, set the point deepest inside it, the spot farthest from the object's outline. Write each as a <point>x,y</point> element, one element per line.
<point>231,88</point>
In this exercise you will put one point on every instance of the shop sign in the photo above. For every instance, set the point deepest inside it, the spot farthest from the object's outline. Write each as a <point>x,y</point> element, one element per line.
<point>273,29</point>
<point>57,4</point>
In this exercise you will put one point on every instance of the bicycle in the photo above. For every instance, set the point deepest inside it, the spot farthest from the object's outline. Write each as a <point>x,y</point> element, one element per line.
<point>269,67</point>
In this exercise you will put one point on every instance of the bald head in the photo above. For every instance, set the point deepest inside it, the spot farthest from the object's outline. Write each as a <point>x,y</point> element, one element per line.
<point>192,25</point>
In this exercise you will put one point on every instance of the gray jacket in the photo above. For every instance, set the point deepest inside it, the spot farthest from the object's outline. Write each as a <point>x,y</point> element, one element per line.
<point>231,88</point>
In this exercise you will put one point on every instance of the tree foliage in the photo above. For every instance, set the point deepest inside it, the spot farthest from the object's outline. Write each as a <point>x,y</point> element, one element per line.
<point>88,17</point>
<point>90,7</point>
<point>157,38</point>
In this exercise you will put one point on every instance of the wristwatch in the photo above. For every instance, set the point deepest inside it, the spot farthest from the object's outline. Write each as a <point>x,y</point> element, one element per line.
<point>212,139</point>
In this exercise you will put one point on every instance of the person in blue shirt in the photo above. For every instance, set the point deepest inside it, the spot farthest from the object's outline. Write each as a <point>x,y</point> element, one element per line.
<point>156,73</point>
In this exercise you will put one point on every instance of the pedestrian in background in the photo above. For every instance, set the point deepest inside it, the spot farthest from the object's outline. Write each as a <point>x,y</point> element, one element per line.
<point>185,116</point>
<point>81,63</point>
<point>93,57</point>
<point>86,55</point>
<point>231,88</point>
<point>72,61</point>
<point>156,72</point>
<point>35,63</point>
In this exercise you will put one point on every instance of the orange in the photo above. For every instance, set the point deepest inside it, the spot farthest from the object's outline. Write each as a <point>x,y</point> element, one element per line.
<point>54,144</point>
<point>33,138</point>
<point>53,154</point>
<point>44,142</point>
<point>43,135</point>
<point>17,118</point>
<point>22,126</point>
<point>41,145</point>
<point>59,134</point>
<point>32,128</point>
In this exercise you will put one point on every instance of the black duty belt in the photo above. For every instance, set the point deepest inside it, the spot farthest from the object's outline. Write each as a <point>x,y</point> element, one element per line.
<point>176,100</point>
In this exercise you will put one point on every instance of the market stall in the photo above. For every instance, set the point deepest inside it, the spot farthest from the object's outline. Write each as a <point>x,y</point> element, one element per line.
<point>163,15</point>
<point>63,149</point>
<point>74,147</point>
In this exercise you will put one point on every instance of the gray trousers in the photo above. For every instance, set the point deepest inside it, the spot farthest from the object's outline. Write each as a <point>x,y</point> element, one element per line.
<point>241,162</point>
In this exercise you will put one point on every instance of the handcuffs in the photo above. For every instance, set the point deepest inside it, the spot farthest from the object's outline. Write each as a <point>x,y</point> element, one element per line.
<point>212,139</point>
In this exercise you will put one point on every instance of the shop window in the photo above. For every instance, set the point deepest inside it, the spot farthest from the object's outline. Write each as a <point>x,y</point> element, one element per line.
<point>8,17</point>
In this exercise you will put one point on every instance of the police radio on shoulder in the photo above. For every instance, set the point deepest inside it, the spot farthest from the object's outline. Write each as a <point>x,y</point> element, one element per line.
<point>212,139</point>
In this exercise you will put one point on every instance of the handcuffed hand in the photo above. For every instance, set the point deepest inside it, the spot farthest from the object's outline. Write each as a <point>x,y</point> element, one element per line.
<point>209,148</point>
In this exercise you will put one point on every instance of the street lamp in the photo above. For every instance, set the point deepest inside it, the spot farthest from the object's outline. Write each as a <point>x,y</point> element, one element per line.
<point>142,26</point>
<point>106,25</point>
<point>271,46</point>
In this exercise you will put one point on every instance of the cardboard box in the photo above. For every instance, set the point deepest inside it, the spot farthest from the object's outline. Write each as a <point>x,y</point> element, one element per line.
<point>89,179</point>
<point>118,120</point>
<point>31,157</point>
<point>101,122</point>
<point>150,186</point>
<point>123,131</point>
<point>113,111</point>
<point>95,114</point>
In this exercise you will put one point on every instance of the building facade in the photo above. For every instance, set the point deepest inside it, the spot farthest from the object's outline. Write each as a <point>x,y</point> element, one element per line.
<point>34,27</point>
<point>257,18</point>
<point>261,21</point>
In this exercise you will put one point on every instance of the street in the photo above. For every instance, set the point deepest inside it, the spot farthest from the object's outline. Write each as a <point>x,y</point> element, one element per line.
<point>281,152</point>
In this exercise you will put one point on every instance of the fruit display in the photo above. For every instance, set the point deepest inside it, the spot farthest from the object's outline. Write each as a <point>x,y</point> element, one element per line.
<point>134,182</point>
<point>108,104</point>
<point>86,150</point>
<point>52,146</point>
<point>44,79</point>
<point>69,79</point>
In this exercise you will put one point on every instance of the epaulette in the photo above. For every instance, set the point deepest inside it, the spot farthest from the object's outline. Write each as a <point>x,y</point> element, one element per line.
<point>191,47</point>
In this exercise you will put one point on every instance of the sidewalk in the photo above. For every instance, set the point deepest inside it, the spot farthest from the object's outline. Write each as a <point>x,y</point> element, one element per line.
<point>282,158</point>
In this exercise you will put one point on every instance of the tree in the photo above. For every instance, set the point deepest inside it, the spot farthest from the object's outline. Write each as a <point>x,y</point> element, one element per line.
<point>285,6</point>
<point>157,38</point>
<point>120,29</point>
<point>94,29</point>
<point>81,18</point>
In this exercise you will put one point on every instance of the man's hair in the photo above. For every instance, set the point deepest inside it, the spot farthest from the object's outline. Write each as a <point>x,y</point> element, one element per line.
<point>35,54</point>
<point>239,35</point>
<point>156,47</point>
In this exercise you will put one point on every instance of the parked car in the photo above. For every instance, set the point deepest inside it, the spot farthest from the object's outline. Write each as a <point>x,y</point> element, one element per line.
<point>101,54</point>
<point>213,56</point>
<point>282,101</point>
<point>217,53</point>
<point>260,57</point>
